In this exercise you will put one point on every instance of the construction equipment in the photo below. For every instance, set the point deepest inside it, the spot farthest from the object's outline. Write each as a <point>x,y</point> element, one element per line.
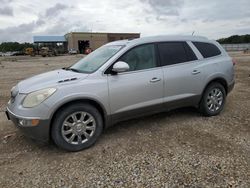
<point>30,51</point>
<point>45,51</point>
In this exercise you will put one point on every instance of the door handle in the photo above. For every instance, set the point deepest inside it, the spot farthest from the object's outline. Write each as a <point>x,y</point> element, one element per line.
<point>196,72</point>
<point>153,80</point>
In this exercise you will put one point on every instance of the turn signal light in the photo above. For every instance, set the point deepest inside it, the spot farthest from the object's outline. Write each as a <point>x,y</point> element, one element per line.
<point>28,123</point>
<point>34,122</point>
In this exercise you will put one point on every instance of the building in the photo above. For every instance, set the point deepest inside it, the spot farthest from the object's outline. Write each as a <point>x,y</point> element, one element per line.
<point>58,43</point>
<point>82,40</point>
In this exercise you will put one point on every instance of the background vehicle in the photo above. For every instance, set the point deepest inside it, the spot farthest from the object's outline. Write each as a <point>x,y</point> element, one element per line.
<point>18,53</point>
<point>45,51</point>
<point>7,54</point>
<point>30,51</point>
<point>88,51</point>
<point>119,81</point>
<point>72,51</point>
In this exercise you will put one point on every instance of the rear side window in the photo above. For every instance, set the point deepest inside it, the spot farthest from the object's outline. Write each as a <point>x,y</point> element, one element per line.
<point>207,49</point>
<point>175,52</point>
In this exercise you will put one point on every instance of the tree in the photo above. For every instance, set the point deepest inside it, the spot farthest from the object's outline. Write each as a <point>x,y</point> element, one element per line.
<point>235,39</point>
<point>14,46</point>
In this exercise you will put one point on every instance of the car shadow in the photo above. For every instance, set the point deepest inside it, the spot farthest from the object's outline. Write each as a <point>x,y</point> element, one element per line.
<point>148,121</point>
<point>124,127</point>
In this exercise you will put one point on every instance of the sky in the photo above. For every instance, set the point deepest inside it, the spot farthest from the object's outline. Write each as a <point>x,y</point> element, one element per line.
<point>20,20</point>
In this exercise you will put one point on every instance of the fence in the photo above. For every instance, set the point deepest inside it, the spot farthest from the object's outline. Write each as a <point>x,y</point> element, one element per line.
<point>236,47</point>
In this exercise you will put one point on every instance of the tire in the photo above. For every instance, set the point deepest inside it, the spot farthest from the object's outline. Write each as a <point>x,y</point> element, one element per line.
<point>209,104</point>
<point>86,134</point>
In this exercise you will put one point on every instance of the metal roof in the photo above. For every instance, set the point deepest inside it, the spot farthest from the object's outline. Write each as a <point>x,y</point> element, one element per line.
<point>49,39</point>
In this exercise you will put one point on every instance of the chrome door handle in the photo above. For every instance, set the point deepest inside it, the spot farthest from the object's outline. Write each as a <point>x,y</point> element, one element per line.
<point>153,80</point>
<point>196,72</point>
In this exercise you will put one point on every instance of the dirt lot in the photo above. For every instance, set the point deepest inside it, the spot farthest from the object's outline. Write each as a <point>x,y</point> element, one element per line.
<point>178,148</point>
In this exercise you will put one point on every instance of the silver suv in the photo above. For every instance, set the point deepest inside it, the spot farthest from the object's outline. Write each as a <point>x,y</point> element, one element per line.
<point>119,81</point>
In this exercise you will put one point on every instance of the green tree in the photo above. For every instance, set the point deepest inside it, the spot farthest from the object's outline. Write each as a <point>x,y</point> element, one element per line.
<point>235,39</point>
<point>14,46</point>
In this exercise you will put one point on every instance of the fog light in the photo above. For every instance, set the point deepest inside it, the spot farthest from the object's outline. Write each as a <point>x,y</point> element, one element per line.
<point>28,122</point>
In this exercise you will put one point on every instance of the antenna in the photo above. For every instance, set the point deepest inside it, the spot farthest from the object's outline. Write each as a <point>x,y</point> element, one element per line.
<point>193,33</point>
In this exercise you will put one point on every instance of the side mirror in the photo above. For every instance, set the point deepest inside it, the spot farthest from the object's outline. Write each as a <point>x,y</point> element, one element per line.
<point>120,66</point>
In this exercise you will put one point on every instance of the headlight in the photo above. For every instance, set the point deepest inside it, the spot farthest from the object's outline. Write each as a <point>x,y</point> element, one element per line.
<point>35,98</point>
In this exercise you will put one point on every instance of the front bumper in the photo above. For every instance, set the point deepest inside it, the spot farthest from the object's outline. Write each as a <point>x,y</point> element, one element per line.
<point>39,132</point>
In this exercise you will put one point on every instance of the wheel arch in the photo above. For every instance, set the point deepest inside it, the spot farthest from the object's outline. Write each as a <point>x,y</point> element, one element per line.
<point>201,107</point>
<point>90,101</point>
<point>220,80</point>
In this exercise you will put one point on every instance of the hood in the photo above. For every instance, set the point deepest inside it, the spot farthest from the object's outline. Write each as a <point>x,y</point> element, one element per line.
<point>49,79</point>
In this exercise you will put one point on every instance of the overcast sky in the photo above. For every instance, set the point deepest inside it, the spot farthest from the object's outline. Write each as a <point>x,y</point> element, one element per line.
<point>20,20</point>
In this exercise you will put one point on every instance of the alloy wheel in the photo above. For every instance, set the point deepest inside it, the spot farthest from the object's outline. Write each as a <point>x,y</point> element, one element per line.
<point>78,127</point>
<point>215,99</point>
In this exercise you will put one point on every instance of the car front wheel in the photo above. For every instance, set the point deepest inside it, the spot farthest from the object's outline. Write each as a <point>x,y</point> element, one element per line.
<point>77,127</point>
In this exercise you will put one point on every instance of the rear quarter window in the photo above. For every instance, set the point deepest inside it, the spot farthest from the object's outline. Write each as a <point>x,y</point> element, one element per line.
<point>207,49</point>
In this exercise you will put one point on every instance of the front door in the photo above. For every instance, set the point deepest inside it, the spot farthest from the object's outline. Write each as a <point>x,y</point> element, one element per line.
<point>138,91</point>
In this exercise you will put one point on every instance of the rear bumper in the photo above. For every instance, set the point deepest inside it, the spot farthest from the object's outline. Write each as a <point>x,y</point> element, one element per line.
<point>39,132</point>
<point>231,86</point>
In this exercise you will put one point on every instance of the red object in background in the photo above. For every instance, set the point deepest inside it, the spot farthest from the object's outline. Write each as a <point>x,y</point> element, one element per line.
<point>88,51</point>
<point>234,62</point>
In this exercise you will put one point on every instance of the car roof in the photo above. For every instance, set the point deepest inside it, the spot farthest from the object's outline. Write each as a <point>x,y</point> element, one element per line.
<point>159,38</point>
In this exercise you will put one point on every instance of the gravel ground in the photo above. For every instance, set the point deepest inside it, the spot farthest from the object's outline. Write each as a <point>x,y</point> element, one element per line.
<point>174,149</point>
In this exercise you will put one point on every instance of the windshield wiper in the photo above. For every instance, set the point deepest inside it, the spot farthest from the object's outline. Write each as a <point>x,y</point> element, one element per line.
<point>72,69</point>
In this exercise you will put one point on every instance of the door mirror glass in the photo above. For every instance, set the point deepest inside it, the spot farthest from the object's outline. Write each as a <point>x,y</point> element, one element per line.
<point>120,66</point>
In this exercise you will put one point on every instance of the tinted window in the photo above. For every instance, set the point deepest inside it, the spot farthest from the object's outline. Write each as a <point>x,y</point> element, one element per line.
<point>189,52</point>
<point>141,57</point>
<point>175,52</point>
<point>207,49</point>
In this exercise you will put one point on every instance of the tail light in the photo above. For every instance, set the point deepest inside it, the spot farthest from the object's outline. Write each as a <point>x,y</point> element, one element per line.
<point>234,62</point>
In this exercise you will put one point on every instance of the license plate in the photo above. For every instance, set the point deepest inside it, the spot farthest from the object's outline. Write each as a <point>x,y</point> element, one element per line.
<point>7,114</point>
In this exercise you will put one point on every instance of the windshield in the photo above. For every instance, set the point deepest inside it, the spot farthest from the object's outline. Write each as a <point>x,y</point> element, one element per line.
<point>96,59</point>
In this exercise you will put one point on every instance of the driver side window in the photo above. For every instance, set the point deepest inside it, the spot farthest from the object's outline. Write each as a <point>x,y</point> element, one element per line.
<point>141,57</point>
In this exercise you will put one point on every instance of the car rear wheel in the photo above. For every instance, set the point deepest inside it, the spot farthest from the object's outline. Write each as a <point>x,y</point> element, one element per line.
<point>213,99</point>
<point>77,127</point>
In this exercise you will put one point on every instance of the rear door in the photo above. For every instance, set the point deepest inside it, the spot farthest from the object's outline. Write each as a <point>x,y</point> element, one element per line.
<point>138,91</point>
<point>183,77</point>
